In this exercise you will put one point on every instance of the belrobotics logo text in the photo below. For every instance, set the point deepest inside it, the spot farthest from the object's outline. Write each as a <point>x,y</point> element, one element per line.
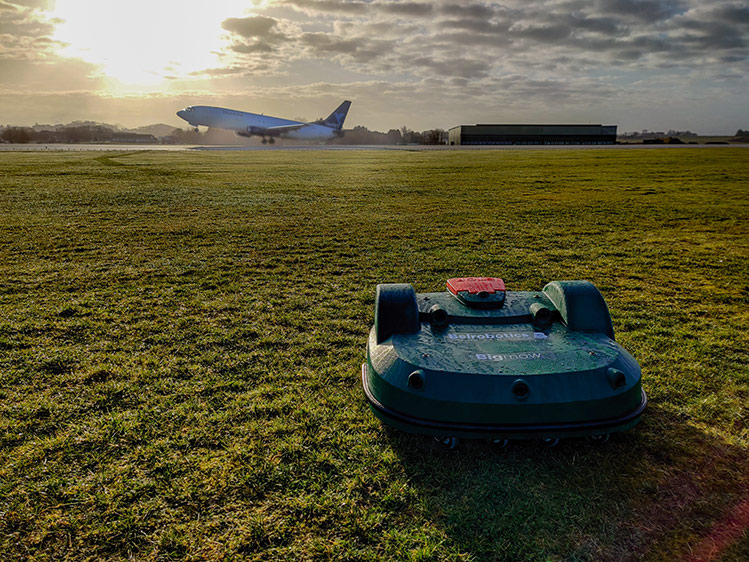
<point>498,336</point>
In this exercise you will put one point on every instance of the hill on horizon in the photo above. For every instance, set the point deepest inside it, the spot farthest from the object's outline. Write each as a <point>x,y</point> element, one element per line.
<point>156,129</point>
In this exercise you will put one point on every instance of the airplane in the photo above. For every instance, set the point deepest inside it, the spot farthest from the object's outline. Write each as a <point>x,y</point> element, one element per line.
<point>248,124</point>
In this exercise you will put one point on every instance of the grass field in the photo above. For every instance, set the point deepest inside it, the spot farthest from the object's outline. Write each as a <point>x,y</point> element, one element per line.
<point>181,338</point>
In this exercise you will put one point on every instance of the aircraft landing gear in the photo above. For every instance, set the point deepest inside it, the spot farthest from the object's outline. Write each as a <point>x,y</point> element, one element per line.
<point>196,130</point>
<point>264,140</point>
<point>271,140</point>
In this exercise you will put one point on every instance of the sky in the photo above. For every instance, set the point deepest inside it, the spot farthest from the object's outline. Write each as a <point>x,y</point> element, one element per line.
<point>655,64</point>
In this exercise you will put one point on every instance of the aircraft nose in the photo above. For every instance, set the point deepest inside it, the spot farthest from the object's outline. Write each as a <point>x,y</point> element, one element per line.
<point>181,114</point>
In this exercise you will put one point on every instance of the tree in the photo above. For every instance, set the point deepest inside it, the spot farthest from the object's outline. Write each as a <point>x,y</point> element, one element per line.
<point>411,137</point>
<point>435,136</point>
<point>394,136</point>
<point>16,135</point>
<point>181,136</point>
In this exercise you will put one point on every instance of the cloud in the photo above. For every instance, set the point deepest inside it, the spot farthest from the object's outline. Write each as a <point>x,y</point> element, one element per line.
<point>474,25</point>
<point>553,33</point>
<point>415,9</point>
<point>469,11</point>
<point>34,4</point>
<point>713,35</point>
<point>257,47</point>
<point>733,13</point>
<point>258,35</point>
<point>329,6</point>
<point>557,51</point>
<point>57,75</point>
<point>28,59</point>
<point>17,21</point>
<point>460,68</point>
<point>255,26</point>
<point>357,49</point>
<point>645,10</point>
<point>470,60</point>
<point>480,39</point>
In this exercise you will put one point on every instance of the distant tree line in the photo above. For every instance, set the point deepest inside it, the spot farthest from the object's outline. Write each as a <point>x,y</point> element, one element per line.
<point>72,134</point>
<point>673,136</point>
<point>92,133</point>
<point>404,135</point>
<point>356,136</point>
<point>645,134</point>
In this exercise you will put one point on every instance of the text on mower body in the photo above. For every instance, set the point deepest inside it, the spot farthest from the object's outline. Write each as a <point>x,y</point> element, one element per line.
<point>497,336</point>
<point>513,356</point>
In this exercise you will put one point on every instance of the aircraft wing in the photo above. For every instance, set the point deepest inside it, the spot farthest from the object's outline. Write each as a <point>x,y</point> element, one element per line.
<point>271,131</point>
<point>284,128</point>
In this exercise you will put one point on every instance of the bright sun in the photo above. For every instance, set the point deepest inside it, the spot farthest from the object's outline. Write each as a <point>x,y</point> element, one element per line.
<point>141,43</point>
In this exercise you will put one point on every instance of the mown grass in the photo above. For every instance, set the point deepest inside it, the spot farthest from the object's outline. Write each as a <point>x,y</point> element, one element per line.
<point>181,336</point>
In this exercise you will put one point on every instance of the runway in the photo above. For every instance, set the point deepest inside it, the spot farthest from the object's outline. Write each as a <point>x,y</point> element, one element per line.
<point>413,148</point>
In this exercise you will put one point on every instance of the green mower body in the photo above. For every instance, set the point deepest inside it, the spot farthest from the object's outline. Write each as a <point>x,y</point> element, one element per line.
<point>478,361</point>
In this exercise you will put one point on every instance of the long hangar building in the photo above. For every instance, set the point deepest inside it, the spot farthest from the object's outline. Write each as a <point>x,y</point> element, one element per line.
<point>532,134</point>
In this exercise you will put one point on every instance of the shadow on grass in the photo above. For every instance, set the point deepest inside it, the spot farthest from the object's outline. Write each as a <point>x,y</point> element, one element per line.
<point>653,492</point>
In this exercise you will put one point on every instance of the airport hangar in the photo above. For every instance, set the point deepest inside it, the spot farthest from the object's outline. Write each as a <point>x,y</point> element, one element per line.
<point>532,134</point>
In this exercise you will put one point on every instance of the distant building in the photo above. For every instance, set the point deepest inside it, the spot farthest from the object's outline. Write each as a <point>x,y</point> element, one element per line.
<point>532,134</point>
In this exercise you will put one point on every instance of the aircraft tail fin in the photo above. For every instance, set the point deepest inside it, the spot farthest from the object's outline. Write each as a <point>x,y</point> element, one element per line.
<point>336,119</point>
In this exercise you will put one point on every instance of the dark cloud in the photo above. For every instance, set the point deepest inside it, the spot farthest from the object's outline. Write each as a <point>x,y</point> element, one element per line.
<point>234,71</point>
<point>415,9</point>
<point>385,37</point>
<point>714,35</point>
<point>25,34</point>
<point>254,26</point>
<point>470,11</point>
<point>379,29</point>
<point>329,6</point>
<point>486,60</point>
<point>649,44</point>
<point>220,71</point>
<point>36,4</point>
<point>254,35</point>
<point>605,25</point>
<point>646,10</point>
<point>469,40</point>
<point>736,13</point>
<point>16,22</point>
<point>730,59</point>
<point>357,7</point>
<point>567,90</point>
<point>356,49</point>
<point>544,34</point>
<point>325,43</point>
<point>461,68</point>
<point>25,27</point>
<point>252,48</point>
<point>474,25</point>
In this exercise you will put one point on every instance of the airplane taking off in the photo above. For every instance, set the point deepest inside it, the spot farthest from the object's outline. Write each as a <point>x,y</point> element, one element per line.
<point>248,124</point>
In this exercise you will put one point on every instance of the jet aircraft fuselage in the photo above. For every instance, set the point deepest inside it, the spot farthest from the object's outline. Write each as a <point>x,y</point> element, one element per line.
<point>248,124</point>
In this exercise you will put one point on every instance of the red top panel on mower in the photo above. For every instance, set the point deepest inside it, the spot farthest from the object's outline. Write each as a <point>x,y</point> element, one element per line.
<point>475,285</point>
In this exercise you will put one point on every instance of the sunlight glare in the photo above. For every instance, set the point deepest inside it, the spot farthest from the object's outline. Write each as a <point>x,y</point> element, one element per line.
<point>145,42</point>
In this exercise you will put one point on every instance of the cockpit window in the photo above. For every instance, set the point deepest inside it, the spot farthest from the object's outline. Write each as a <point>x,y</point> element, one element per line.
<point>190,108</point>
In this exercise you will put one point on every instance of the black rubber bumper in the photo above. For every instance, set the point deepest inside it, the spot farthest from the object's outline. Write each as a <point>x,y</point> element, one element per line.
<point>523,430</point>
